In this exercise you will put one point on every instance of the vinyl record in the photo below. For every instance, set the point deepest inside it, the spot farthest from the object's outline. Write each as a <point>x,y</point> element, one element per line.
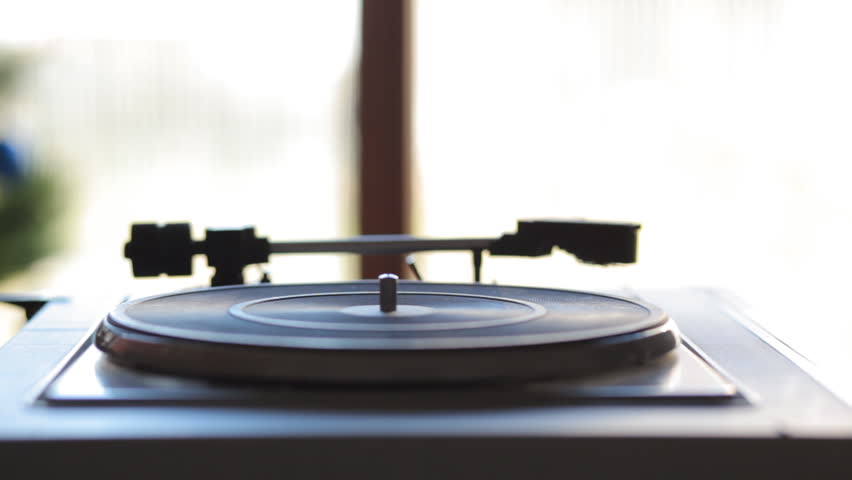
<point>338,333</point>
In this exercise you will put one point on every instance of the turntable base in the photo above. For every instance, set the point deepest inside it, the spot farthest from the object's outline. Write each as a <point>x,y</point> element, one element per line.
<point>780,422</point>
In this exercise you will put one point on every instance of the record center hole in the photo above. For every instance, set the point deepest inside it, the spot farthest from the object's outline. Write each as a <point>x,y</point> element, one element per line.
<point>402,311</point>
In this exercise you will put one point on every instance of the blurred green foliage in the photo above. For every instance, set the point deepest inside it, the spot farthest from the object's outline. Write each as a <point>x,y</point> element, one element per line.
<point>29,209</point>
<point>30,196</point>
<point>12,65</point>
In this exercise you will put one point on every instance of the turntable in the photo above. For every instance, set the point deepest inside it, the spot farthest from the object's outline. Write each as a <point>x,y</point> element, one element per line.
<point>390,378</point>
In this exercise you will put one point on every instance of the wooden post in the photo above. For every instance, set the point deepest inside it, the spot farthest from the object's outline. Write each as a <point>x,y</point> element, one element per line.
<point>384,127</point>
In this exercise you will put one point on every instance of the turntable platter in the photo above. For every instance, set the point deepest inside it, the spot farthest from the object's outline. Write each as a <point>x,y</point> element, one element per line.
<point>342,333</point>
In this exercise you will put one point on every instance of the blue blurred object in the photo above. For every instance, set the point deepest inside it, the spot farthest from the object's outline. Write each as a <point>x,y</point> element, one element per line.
<point>11,165</point>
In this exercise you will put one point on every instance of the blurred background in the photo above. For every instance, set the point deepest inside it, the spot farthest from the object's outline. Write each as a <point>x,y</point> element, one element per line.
<point>723,126</point>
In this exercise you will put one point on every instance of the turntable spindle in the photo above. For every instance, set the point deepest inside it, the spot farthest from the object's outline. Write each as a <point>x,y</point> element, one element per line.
<point>387,292</point>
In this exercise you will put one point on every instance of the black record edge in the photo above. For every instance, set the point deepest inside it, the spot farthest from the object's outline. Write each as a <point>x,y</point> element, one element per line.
<point>387,367</point>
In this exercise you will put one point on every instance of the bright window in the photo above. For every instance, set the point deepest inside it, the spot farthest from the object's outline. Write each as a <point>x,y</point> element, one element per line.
<point>224,115</point>
<point>723,127</point>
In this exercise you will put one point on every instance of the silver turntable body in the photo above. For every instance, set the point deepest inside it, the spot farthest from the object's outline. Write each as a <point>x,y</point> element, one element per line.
<point>730,400</point>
